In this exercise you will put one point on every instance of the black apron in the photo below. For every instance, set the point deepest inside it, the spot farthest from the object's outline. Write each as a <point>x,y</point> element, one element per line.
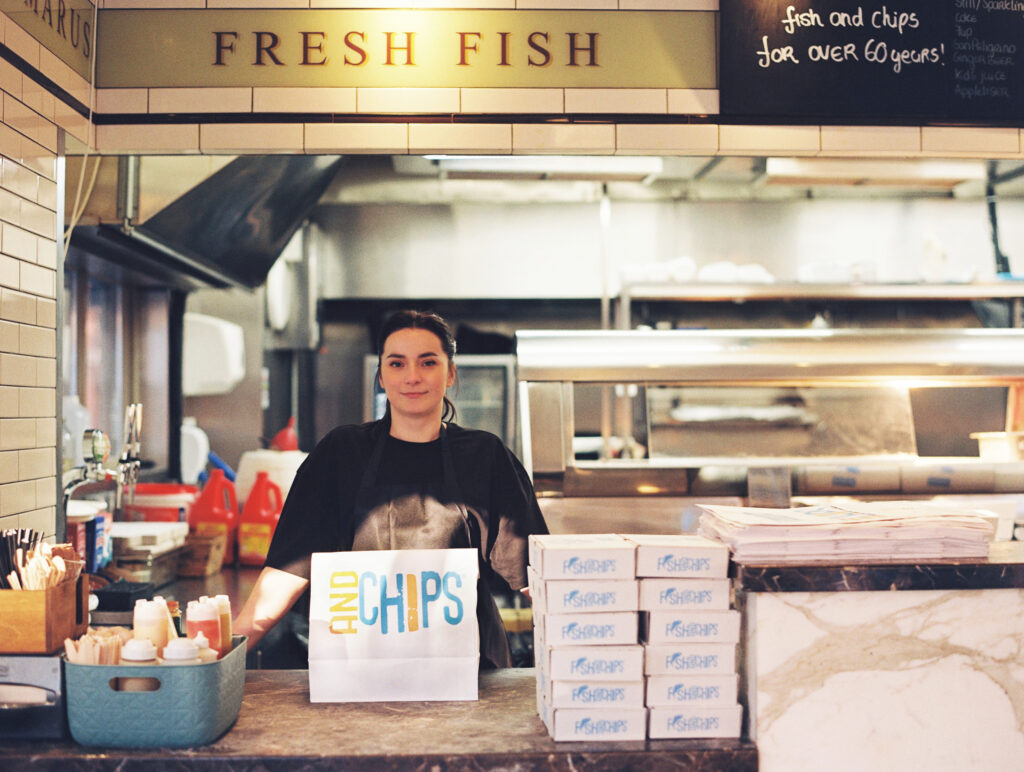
<point>427,516</point>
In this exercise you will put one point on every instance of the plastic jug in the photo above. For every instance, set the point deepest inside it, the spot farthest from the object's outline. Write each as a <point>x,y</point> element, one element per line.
<point>286,439</point>
<point>216,511</point>
<point>259,518</point>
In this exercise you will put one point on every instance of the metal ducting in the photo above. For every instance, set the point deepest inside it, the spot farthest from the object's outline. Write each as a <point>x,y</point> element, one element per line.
<point>226,231</point>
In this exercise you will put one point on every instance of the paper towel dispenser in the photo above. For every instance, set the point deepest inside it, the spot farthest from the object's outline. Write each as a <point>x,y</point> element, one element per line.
<point>213,357</point>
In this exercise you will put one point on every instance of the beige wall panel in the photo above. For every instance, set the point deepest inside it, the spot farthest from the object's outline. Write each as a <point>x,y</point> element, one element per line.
<point>490,138</point>
<point>304,100</point>
<point>799,140</point>
<point>970,142</point>
<point>660,139</point>
<point>562,139</point>
<point>162,138</point>
<point>512,100</point>
<point>249,137</point>
<point>616,100</point>
<point>390,138</point>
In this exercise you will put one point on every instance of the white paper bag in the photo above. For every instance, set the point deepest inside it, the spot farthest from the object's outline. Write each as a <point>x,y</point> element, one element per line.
<point>393,625</point>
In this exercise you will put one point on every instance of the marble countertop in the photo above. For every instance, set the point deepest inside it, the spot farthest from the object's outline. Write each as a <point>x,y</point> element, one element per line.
<point>278,728</point>
<point>1004,568</point>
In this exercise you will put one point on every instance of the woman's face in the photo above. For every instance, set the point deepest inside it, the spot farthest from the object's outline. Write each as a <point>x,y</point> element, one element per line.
<point>415,372</point>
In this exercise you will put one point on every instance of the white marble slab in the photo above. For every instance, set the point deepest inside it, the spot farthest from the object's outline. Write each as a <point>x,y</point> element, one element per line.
<point>910,680</point>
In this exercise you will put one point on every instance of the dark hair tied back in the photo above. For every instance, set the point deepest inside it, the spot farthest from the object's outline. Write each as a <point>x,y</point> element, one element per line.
<point>419,320</point>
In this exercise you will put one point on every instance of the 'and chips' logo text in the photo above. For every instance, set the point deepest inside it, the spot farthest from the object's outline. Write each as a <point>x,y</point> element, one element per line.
<point>394,603</point>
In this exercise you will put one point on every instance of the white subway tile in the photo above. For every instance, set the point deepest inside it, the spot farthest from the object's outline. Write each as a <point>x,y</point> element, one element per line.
<point>492,138</point>
<point>616,100</point>
<point>304,100</point>
<point>30,123</point>
<point>19,179</point>
<point>876,140</point>
<point>659,138</point>
<point>801,140</point>
<point>47,194</point>
<point>157,138</point>
<point>46,496</point>
<point>512,100</point>
<point>390,138</point>
<point>149,4</point>
<point>250,137</point>
<point>16,497</point>
<point>10,143</point>
<point>39,159</point>
<point>971,142</point>
<point>10,272</point>
<point>472,4</point>
<point>17,306</point>
<point>360,3</point>
<point>46,432</point>
<point>37,280</point>
<point>10,337</point>
<point>74,123</point>
<point>35,97</point>
<point>11,79</point>
<point>17,242</point>
<point>61,74</point>
<point>563,139</point>
<point>407,100</point>
<point>46,313</point>
<point>38,219</point>
<point>38,341</point>
<point>10,207</point>
<point>46,372</point>
<point>122,100</point>
<point>668,5</point>
<point>567,5</point>
<point>693,101</point>
<point>200,100</point>
<point>257,4</point>
<point>46,252</point>
<point>21,43</point>
<point>37,403</point>
<point>41,520</point>
<point>9,401</point>
<point>17,370</point>
<point>8,465</point>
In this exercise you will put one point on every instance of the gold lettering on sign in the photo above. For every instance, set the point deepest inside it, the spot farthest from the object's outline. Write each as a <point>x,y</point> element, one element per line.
<point>308,45</point>
<point>391,47</point>
<point>350,44</point>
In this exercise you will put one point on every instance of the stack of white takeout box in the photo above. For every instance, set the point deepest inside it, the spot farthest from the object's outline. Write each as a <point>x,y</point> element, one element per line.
<point>690,633</point>
<point>589,661</point>
<point>633,637</point>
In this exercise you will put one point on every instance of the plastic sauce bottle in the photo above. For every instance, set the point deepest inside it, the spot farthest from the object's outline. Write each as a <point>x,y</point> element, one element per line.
<point>204,617</point>
<point>181,651</point>
<point>149,622</point>
<point>137,651</point>
<point>206,654</point>
<point>215,511</point>
<point>259,519</point>
<point>172,631</point>
<point>224,607</point>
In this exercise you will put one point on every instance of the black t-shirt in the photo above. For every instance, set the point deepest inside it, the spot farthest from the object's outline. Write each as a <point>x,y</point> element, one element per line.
<point>409,463</point>
<point>317,515</point>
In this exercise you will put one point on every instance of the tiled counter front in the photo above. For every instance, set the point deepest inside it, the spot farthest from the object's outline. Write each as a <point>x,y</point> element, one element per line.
<point>857,676</point>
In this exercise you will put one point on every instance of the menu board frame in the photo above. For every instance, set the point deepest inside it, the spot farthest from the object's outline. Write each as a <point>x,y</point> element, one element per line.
<point>880,61</point>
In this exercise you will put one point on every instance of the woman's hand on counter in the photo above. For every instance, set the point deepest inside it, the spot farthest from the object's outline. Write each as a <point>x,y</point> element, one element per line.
<point>272,596</point>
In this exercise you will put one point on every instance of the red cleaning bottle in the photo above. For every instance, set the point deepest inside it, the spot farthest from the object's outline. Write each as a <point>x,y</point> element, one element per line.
<point>259,518</point>
<point>216,511</point>
<point>286,439</point>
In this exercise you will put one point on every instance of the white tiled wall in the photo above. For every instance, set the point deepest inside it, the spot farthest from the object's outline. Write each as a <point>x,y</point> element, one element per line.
<point>31,121</point>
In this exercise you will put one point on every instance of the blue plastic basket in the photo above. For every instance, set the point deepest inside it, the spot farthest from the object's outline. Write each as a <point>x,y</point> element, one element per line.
<point>194,704</point>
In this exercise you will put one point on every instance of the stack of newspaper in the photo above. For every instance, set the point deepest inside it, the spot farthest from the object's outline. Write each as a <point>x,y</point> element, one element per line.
<point>875,531</point>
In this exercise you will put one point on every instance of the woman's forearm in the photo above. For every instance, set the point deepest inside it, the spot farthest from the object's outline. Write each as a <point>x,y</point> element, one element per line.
<point>272,596</point>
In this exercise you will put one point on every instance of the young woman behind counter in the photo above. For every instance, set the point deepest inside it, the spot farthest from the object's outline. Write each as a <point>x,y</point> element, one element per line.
<point>411,480</point>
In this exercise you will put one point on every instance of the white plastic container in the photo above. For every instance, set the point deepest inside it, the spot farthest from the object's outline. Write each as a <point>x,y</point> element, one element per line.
<point>195,450</point>
<point>181,651</point>
<point>280,466</point>
<point>136,652</point>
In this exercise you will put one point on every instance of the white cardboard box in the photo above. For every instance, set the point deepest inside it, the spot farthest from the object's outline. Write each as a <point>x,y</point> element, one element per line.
<point>561,596</point>
<point>684,594</point>
<point>580,663</point>
<point>679,556</point>
<point>723,721</point>
<point>692,691</point>
<point>689,658</point>
<point>690,626</point>
<point>613,627</point>
<point>591,694</point>
<point>582,556</point>
<point>595,724</point>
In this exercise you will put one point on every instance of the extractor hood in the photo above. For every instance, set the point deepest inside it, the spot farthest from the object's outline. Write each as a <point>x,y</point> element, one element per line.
<point>226,231</point>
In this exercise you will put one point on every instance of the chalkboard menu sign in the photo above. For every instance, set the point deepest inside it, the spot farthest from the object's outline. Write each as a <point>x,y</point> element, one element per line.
<point>899,60</point>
